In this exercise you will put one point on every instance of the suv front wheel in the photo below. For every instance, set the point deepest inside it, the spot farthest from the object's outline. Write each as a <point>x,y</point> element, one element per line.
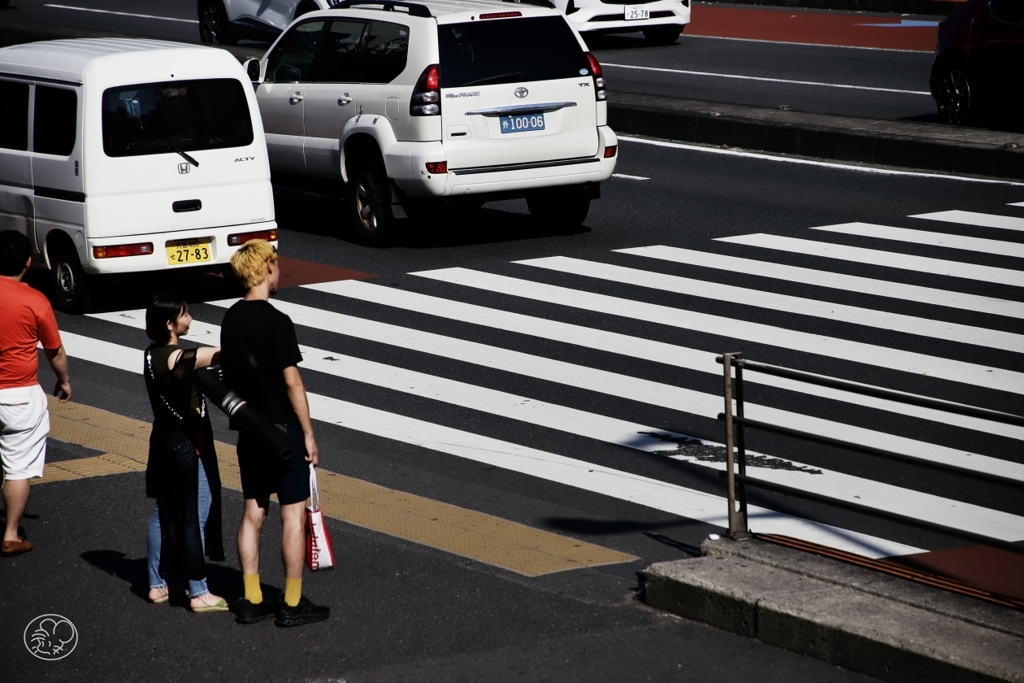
<point>369,201</point>
<point>562,209</point>
<point>214,27</point>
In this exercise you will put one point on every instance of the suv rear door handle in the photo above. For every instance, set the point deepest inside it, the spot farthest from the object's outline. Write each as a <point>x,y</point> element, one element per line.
<point>343,100</point>
<point>296,98</point>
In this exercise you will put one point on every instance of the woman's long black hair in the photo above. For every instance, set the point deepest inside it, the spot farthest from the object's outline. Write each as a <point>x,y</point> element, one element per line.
<point>165,308</point>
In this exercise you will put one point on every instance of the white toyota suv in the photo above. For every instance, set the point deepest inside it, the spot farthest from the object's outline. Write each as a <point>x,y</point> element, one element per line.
<point>451,99</point>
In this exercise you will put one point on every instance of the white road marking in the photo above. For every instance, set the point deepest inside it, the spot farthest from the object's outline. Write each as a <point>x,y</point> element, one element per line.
<point>624,345</point>
<point>857,352</point>
<point>690,36</point>
<point>985,220</point>
<point>931,239</point>
<point>826,310</point>
<point>1016,204</point>
<point>579,474</point>
<point>824,278</point>
<point>629,177</point>
<point>888,259</point>
<point>812,162</point>
<point>761,79</point>
<point>122,14</point>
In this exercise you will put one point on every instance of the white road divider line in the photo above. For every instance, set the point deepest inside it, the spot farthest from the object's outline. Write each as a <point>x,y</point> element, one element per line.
<point>579,474</point>
<point>121,14</point>
<point>1016,204</point>
<point>984,220</point>
<point>832,280</point>
<point>762,79</point>
<point>857,352</point>
<point>826,310</point>
<point>620,344</point>
<point>629,177</point>
<point>875,257</point>
<point>931,239</point>
<point>878,495</point>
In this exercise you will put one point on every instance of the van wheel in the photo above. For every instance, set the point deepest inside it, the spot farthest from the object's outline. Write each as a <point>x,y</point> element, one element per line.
<point>72,290</point>
<point>563,209</point>
<point>369,201</point>
<point>663,35</point>
<point>214,27</point>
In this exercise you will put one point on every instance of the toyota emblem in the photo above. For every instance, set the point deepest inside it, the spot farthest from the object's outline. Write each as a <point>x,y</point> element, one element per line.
<point>522,92</point>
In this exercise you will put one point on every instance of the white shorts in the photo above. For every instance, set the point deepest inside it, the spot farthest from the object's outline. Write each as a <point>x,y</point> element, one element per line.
<point>24,424</point>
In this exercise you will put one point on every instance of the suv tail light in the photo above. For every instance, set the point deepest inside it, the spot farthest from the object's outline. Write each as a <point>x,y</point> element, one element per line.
<point>426,96</point>
<point>595,68</point>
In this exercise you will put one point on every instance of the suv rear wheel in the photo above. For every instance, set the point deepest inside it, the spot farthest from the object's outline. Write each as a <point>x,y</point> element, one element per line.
<point>954,98</point>
<point>663,35</point>
<point>369,200</point>
<point>560,208</point>
<point>214,27</point>
<point>72,291</point>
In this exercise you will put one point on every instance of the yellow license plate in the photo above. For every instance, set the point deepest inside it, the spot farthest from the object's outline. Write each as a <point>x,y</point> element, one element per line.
<point>192,251</point>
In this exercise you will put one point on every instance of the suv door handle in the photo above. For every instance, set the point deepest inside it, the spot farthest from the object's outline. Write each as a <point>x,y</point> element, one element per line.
<point>343,100</point>
<point>296,98</point>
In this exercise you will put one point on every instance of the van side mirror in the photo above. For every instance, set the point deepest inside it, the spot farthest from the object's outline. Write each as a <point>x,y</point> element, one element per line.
<point>252,67</point>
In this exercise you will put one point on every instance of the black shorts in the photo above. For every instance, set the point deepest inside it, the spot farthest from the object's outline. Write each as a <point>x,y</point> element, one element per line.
<point>262,475</point>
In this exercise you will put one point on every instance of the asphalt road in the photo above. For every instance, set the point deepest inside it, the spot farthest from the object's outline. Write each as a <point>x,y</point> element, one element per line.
<point>569,366</point>
<point>849,81</point>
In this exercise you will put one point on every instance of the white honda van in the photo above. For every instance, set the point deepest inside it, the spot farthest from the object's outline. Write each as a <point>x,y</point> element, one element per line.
<point>121,156</point>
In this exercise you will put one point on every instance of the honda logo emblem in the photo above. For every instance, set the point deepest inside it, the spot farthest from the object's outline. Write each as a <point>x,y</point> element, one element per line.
<point>184,167</point>
<point>521,92</point>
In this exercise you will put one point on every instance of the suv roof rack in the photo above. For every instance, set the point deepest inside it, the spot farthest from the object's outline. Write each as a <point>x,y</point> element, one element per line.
<point>413,8</point>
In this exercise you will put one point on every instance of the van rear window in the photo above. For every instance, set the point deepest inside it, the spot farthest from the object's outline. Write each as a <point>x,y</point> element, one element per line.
<point>155,118</point>
<point>509,51</point>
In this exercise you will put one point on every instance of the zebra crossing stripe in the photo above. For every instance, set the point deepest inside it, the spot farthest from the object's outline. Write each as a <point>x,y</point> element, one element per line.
<point>984,220</point>
<point>859,352</point>
<point>647,439</point>
<point>931,239</point>
<point>621,344</point>
<point>827,310</point>
<point>874,257</point>
<point>831,280</point>
<point>579,474</point>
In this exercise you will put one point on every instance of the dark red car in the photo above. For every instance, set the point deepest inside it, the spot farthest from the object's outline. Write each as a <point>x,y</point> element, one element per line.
<point>979,61</point>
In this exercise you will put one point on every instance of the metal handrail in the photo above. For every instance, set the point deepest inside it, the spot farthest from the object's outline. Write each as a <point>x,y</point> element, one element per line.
<point>737,479</point>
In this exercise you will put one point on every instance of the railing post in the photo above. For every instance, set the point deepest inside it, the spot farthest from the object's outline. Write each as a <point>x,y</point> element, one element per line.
<point>741,447</point>
<point>737,515</point>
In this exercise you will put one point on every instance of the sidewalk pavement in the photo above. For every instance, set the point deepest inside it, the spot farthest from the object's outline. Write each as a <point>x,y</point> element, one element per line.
<point>853,617</point>
<point>939,8</point>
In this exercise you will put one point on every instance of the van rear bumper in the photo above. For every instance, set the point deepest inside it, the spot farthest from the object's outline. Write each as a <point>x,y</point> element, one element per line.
<point>217,238</point>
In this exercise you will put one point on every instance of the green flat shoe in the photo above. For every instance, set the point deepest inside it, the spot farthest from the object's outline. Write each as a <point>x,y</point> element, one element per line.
<point>219,606</point>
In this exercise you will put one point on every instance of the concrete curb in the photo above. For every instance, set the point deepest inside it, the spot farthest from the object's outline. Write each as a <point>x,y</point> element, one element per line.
<point>927,7</point>
<point>849,616</point>
<point>904,144</point>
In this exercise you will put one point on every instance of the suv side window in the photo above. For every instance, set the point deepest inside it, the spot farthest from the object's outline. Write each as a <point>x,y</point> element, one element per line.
<point>14,115</point>
<point>292,58</point>
<point>55,121</point>
<point>338,61</point>
<point>385,50</point>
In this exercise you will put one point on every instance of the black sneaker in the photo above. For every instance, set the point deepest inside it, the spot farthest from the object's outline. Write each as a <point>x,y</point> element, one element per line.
<point>303,613</point>
<point>248,613</point>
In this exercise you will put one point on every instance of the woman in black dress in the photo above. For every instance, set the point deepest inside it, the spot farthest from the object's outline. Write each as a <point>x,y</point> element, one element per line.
<point>182,473</point>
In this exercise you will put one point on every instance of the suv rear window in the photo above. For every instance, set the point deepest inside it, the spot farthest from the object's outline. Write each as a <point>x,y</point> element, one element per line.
<point>509,51</point>
<point>154,118</point>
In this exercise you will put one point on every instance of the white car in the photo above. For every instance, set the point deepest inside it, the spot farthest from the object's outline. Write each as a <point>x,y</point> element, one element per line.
<point>409,103</point>
<point>224,22</point>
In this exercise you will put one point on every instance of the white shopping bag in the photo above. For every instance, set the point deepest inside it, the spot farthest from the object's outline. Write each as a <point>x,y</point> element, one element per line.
<point>319,551</point>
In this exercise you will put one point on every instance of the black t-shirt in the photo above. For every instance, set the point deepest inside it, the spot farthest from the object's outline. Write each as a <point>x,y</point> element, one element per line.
<point>255,330</point>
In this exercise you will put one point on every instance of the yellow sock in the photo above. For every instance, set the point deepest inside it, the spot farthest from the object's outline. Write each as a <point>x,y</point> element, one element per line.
<point>292,591</point>
<point>253,593</point>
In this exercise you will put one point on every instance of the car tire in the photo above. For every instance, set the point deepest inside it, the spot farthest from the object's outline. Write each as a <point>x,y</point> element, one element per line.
<point>663,35</point>
<point>953,98</point>
<point>561,210</point>
<point>369,201</point>
<point>72,288</point>
<point>214,27</point>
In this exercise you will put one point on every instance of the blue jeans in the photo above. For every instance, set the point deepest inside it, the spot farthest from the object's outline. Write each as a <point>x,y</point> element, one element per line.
<point>195,588</point>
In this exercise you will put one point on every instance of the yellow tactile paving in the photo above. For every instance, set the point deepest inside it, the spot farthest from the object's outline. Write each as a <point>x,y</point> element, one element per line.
<point>485,538</point>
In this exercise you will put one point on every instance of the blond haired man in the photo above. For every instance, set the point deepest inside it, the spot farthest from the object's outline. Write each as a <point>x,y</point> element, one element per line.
<point>260,357</point>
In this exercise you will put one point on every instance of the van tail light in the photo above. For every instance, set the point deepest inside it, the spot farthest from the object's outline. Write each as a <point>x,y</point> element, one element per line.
<point>238,239</point>
<point>437,167</point>
<point>610,151</point>
<point>426,96</point>
<point>595,68</point>
<point>118,250</point>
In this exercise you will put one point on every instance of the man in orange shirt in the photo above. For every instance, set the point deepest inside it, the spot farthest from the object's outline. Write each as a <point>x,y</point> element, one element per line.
<point>24,420</point>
